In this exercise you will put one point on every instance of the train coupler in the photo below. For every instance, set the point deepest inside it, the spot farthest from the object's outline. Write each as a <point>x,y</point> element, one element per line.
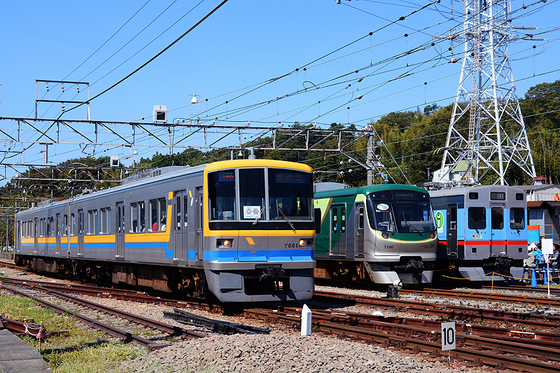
<point>272,272</point>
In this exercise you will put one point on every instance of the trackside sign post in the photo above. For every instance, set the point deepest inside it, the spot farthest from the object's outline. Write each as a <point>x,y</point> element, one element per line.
<point>447,336</point>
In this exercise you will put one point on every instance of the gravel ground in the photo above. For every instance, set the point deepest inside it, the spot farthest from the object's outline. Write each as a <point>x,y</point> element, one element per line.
<point>284,350</point>
<point>280,353</point>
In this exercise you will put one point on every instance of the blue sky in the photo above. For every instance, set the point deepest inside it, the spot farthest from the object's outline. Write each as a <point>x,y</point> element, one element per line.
<point>227,60</point>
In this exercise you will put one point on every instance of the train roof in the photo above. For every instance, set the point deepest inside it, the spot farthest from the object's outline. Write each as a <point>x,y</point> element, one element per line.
<point>456,191</point>
<point>366,190</point>
<point>148,177</point>
<point>170,172</point>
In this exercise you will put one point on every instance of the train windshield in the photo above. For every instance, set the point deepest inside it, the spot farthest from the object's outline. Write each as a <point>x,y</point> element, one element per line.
<point>400,212</point>
<point>290,194</point>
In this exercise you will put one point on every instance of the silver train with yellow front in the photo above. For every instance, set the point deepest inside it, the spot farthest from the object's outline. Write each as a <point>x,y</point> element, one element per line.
<point>240,230</point>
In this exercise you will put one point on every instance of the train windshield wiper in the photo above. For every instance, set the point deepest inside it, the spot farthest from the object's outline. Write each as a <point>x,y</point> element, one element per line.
<point>410,226</point>
<point>260,213</point>
<point>278,209</point>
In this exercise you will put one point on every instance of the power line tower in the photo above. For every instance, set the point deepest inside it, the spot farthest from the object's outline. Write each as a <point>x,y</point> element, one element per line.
<point>487,133</point>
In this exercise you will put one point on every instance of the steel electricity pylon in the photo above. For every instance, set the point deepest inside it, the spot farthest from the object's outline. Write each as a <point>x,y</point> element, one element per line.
<point>487,134</point>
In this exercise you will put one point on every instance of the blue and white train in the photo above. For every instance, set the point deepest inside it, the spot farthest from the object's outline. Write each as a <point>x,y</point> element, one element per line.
<point>482,230</point>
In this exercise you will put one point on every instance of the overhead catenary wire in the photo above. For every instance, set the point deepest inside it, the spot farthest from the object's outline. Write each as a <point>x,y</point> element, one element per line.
<point>231,110</point>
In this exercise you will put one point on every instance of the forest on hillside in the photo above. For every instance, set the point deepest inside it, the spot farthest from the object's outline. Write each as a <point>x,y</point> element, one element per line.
<point>409,151</point>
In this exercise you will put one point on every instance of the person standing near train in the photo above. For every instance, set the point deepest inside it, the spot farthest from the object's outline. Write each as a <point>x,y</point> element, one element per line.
<point>539,256</point>
<point>554,259</point>
<point>529,264</point>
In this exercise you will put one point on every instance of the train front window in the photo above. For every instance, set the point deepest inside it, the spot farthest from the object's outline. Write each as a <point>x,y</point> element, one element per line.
<point>384,218</point>
<point>290,194</point>
<point>414,216</point>
<point>497,218</point>
<point>517,218</point>
<point>401,211</point>
<point>477,218</point>
<point>221,190</point>
<point>251,193</point>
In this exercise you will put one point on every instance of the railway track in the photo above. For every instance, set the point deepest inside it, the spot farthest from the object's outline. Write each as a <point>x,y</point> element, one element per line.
<point>541,301</point>
<point>500,353</point>
<point>449,312</point>
<point>110,329</point>
<point>115,293</point>
<point>502,348</point>
<point>530,289</point>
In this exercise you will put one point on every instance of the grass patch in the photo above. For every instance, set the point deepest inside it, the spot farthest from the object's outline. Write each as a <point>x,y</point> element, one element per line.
<point>81,350</point>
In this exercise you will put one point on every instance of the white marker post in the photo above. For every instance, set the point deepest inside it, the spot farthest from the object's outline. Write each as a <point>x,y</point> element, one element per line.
<point>547,250</point>
<point>305,320</point>
<point>447,336</point>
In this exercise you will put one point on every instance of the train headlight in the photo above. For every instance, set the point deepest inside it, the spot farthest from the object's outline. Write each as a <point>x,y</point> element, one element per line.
<point>385,235</point>
<point>305,242</point>
<point>224,243</point>
<point>432,235</point>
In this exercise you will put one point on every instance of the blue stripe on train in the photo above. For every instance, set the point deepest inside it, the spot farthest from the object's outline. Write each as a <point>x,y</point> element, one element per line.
<point>259,256</point>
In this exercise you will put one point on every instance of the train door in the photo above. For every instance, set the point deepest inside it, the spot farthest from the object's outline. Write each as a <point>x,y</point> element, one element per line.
<point>452,251</point>
<point>359,224</point>
<point>36,236</point>
<point>81,232</point>
<point>120,226</point>
<point>17,238</point>
<point>199,216</point>
<point>338,230</point>
<point>57,234</point>
<point>180,252</point>
<point>498,233</point>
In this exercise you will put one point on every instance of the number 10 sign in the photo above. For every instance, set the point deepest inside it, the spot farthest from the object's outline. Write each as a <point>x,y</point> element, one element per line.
<point>447,336</point>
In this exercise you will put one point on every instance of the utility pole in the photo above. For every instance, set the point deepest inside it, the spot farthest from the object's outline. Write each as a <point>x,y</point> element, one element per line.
<point>370,156</point>
<point>486,131</point>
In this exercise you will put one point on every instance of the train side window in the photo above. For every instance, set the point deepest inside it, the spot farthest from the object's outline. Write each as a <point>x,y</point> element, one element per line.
<point>178,213</point>
<point>473,195</point>
<point>477,218</point>
<point>105,226</point>
<point>162,214</point>
<point>361,217</point>
<point>73,226</point>
<point>157,215</point>
<point>64,225</point>
<point>142,212</point>
<point>153,227</point>
<point>134,217</point>
<point>57,225</point>
<point>49,226</point>
<point>519,196</point>
<point>334,213</point>
<point>81,222</point>
<point>497,218</point>
<point>517,218</point>
<point>343,219</point>
<point>318,221</point>
<point>92,222</point>
<point>89,222</point>
<point>185,212</point>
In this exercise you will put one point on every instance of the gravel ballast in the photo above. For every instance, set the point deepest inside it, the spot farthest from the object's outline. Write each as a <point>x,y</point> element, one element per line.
<point>280,353</point>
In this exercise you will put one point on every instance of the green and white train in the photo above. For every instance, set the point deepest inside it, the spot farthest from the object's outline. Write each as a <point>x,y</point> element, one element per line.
<point>383,234</point>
